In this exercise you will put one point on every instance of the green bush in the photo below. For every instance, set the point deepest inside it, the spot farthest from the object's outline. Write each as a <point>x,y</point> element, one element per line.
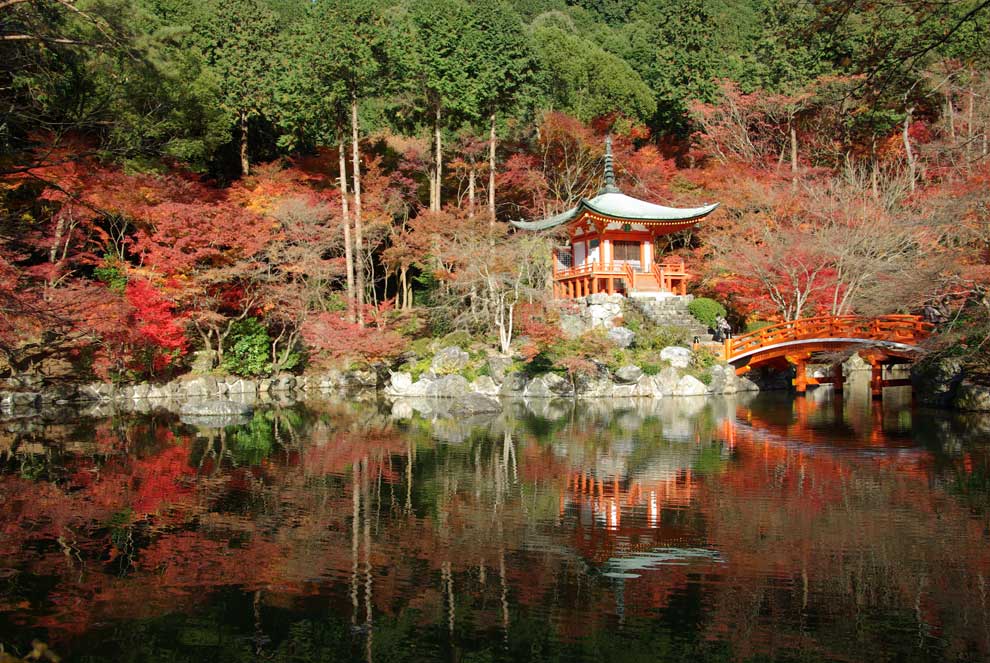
<point>658,337</point>
<point>109,271</point>
<point>248,346</point>
<point>706,310</point>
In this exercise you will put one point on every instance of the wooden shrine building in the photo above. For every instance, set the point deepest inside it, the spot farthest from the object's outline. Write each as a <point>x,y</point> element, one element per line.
<point>612,240</point>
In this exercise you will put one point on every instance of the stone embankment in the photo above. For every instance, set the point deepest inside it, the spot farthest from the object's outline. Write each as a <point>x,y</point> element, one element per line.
<point>676,378</point>
<point>103,398</point>
<point>231,396</point>
<point>947,382</point>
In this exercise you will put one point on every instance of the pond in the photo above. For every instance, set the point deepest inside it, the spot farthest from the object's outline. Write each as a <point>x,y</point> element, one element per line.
<point>757,528</point>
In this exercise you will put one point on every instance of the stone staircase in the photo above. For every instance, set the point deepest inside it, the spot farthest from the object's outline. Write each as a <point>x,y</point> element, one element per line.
<point>670,311</point>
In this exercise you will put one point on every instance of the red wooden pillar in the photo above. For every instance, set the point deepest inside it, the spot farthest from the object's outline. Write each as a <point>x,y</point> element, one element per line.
<point>800,381</point>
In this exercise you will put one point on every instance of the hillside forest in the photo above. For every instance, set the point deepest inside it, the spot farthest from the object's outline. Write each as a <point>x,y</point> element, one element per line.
<point>271,185</point>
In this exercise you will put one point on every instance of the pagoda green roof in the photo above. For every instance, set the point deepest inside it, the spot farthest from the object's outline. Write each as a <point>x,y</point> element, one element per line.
<point>611,203</point>
<point>619,206</point>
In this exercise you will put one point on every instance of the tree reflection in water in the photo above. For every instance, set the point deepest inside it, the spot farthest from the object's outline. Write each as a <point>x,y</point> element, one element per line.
<point>771,528</point>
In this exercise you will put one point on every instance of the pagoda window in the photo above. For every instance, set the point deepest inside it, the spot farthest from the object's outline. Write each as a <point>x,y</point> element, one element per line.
<point>626,251</point>
<point>579,254</point>
<point>594,251</point>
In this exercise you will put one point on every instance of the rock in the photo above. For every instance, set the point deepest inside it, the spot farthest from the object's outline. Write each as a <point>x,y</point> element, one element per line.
<point>283,382</point>
<point>548,385</point>
<point>645,387</point>
<point>204,386</point>
<point>604,315</point>
<point>624,391</point>
<point>677,356</point>
<point>159,392</point>
<point>723,379</point>
<point>743,383</point>
<point>628,374</point>
<point>241,386</point>
<point>484,385</point>
<point>689,385</point>
<point>855,363</point>
<point>498,366</point>
<point>449,360</point>
<point>265,386</point>
<point>665,382</point>
<point>475,404</point>
<point>593,386</point>
<point>621,336</point>
<point>399,384</point>
<point>558,385</point>
<point>973,396</point>
<point>98,391</point>
<point>936,381</point>
<point>140,390</point>
<point>215,408</point>
<point>572,325</point>
<point>448,386</point>
<point>513,384</point>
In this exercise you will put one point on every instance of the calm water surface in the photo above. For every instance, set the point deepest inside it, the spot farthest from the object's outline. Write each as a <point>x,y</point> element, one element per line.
<point>767,528</point>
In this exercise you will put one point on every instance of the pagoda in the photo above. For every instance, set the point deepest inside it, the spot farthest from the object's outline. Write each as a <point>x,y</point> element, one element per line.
<point>612,240</point>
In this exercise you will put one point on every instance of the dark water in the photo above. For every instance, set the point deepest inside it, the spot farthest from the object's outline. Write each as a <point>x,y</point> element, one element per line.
<point>683,530</point>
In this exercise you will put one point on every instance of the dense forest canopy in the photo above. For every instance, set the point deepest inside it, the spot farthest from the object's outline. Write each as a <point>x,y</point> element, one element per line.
<point>267,174</point>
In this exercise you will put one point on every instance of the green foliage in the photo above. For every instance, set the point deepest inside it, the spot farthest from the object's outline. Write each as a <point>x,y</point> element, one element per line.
<point>706,310</point>
<point>756,325</point>
<point>580,78</point>
<point>704,358</point>
<point>248,350</point>
<point>110,271</point>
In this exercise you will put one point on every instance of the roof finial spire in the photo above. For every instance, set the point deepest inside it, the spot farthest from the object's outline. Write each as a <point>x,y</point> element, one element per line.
<point>609,172</point>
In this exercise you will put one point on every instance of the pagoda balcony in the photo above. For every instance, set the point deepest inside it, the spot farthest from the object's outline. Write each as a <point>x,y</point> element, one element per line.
<point>626,277</point>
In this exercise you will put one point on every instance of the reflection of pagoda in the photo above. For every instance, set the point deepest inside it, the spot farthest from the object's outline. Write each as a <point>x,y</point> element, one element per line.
<point>613,240</point>
<point>619,516</point>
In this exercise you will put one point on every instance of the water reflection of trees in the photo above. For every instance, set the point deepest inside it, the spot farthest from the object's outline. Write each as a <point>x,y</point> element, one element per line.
<point>500,534</point>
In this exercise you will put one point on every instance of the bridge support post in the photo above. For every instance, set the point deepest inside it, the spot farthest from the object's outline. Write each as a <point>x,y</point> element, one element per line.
<point>800,363</point>
<point>838,381</point>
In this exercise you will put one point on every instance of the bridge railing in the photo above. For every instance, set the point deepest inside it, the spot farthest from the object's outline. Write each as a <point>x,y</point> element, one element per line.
<point>897,328</point>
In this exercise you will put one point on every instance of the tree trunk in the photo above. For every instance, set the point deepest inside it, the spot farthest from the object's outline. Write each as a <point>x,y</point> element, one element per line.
<point>348,249</point>
<point>908,153</point>
<point>794,157</point>
<point>969,130</point>
<point>491,170</point>
<point>358,229</point>
<point>437,202</point>
<point>245,162</point>
<point>950,113</point>
<point>471,178</point>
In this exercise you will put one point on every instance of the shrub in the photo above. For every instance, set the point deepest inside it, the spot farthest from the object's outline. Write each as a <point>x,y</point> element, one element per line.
<point>247,352</point>
<point>659,337</point>
<point>650,368</point>
<point>110,272</point>
<point>706,310</point>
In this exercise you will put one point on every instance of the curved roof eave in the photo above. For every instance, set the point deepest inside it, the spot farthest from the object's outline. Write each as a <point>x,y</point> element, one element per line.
<point>637,210</point>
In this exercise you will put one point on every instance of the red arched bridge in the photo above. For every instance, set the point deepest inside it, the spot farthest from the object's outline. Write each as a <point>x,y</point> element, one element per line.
<point>880,341</point>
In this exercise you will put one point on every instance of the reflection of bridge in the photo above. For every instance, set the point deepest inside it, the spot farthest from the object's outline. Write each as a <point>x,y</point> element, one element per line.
<point>881,341</point>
